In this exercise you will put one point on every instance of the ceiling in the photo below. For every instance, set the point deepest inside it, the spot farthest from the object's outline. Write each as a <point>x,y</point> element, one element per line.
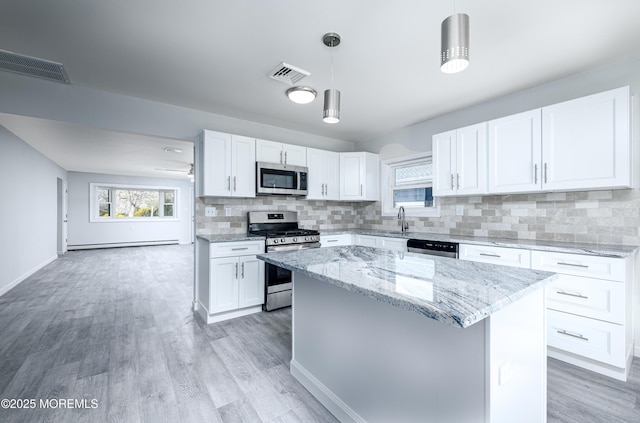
<point>214,55</point>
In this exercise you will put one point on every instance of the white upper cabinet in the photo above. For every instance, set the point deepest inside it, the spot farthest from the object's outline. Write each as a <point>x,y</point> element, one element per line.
<point>586,142</point>
<point>359,177</point>
<point>514,144</point>
<point>324,175</point>
<point>227,165</point>
<point>580,144</point>
<point>277,152</point>
<point>460,161</point>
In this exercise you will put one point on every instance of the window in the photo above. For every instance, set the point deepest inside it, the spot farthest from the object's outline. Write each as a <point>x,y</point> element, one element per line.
<point>407,182</point>
<point>122,202</point>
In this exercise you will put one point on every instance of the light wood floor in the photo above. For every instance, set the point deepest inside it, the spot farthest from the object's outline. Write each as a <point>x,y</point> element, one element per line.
<point>116,326</point>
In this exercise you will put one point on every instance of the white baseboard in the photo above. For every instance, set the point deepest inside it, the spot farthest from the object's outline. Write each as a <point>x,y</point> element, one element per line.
<point>8,287</point>
<point>335,405</point>
<point>121,244</point>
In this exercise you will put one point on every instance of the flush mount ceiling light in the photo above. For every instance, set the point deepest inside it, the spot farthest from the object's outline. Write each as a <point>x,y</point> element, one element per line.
<point>331,110</point>
<point>454,51</point>
<point>301,95</point>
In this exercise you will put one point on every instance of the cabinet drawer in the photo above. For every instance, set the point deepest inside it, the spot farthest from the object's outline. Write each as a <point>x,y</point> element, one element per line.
<point>595,298</point>
<point>579,265</point>
<point>496,255</point>
<point>396,244</point>
<point>367,241</point>
<point>336,240</point>
<point>586,337</point>
<point>241,248</point>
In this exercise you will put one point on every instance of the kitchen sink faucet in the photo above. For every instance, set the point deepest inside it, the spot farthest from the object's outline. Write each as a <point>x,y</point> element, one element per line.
<point>404,225</point>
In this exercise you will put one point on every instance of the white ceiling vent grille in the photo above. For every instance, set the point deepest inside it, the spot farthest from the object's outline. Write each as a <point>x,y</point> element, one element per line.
<point>32,66</point>
<point>288,74</point>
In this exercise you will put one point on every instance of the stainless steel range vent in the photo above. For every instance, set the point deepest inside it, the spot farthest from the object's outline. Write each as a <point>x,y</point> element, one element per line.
<point>32,66</point>
<point>288,74</point>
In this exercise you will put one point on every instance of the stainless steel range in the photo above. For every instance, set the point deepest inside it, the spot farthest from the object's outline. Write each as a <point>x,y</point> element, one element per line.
<point>282,234</point>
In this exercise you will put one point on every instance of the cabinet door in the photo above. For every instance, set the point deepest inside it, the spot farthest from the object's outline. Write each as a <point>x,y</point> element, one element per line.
<point>223,284</point>
<point>586,144</point>
<point>351,176</point>
<point>294,155</point>
<point>215,164</point>
<point>269,151</point>
<point>471,160</point>
<point>316,177</point>
<point>367,241</point>
<point>444,153</point>
<point>515,153</point>
<point>332,175</point>
<point>243,182</point>
<point>251,282</point>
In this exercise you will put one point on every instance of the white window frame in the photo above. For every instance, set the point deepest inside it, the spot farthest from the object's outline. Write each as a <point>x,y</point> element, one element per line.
<point>387,185</point>
<point>93,203</point>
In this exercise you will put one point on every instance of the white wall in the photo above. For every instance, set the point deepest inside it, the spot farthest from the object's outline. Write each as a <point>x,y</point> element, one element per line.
<point>28,216</point>
<point>84,233</point>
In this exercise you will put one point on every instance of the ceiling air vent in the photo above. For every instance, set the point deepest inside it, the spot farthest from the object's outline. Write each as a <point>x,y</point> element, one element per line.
<point>288,74</point>
<point>32,66</point>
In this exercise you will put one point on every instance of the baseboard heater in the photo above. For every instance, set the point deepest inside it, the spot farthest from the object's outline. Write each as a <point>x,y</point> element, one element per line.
<point>121,244</point>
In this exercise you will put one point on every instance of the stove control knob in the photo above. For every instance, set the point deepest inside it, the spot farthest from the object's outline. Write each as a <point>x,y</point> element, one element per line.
<point>295,239</point>
<point>283,240</point>
<point>275,241</point>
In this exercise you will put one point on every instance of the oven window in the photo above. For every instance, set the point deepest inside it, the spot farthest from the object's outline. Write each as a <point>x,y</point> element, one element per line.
<point>273,178</point>
<point>277,275</point>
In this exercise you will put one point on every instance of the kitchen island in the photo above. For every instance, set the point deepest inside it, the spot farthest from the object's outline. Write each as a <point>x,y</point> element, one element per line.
<point>384,336</point>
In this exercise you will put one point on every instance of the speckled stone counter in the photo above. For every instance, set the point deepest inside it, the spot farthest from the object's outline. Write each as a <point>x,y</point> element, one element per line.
<point>604,250</point>
<point>456,292</point>
<point>230,237</point>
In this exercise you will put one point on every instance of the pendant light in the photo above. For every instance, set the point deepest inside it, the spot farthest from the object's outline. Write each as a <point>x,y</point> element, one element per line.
<point>454,52</point>
<point>331,111</point>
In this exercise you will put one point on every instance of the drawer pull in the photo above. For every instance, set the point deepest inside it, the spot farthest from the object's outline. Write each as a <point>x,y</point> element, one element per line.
<point>239,248</point>
<point>490,255</point>
<point>332,240</point>
<point>571,295</point>
<point>573,335</point>
<point>584,266</point>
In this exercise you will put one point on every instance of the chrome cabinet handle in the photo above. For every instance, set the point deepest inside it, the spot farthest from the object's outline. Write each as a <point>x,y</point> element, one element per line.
<point>322,189</point>
<point>229,183</point>
<point>489,255</point>
<point>545,173</point>
<point>573,335</point>
<point>236,270</point>
<point>239,248</point>
<point>572,295</point>
<point>235,185</point>
<point>360,189</point>
<point>326,189</point>
<point>332,240</point>
<point>285,157</point>
<point>584,266</point>
<point>242,270</point>
<point>280,156</point>
<point>457,181</point>
<point>535,173</point>
<point>452,181</point>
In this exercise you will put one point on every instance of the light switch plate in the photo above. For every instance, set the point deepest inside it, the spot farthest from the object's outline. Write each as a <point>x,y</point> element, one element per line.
<point>459,209</point>
<point>505,371</point>
<point>227,211</point>
<point>210,211</point>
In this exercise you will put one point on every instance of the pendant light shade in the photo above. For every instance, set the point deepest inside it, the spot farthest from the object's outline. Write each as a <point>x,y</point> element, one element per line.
<point>331,110</point>
<point>454,53</point>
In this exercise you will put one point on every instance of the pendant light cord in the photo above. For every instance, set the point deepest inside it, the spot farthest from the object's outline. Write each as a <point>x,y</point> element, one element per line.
<point>332,64</point>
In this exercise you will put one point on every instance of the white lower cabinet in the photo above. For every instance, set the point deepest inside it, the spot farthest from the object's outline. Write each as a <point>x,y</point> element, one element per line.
<point>589,310</point>
<point>396,244</point>
<point>230,279</point>
<point>338,240</point>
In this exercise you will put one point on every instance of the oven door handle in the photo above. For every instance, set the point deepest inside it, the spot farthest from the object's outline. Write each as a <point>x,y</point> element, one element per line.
<point>293,247</point>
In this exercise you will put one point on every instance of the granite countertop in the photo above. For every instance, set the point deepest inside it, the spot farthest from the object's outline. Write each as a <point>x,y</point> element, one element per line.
<point>605,250</point>
<point>456,292</point>
<point>231,237</point>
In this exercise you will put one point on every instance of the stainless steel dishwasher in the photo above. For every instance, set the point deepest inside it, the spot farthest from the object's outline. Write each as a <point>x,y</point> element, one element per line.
<point>433,248</point>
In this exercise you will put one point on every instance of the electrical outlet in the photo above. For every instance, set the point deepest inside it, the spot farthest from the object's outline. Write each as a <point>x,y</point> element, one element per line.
<point>459,209</point>
<point>210,211</point>
<point>505,371</point>
<point>227,211</point>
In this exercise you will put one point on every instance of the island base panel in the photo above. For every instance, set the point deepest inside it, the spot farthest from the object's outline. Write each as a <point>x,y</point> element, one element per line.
<point>368,361</point>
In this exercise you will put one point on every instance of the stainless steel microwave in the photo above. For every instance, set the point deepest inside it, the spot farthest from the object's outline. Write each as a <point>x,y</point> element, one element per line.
<point>276,178</point>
